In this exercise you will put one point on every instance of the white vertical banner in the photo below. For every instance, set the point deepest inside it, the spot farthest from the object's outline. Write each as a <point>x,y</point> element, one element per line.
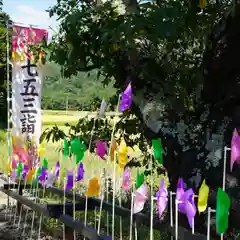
<point>26,101</point>
<point>26,96</point>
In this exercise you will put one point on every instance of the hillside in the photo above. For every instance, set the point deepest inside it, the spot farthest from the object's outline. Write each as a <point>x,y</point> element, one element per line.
<point>81,92</point>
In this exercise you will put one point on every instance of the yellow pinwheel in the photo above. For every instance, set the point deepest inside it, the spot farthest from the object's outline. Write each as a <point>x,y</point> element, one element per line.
<point>203,197</point>
<point>122,154</point>
<point>203,4</point>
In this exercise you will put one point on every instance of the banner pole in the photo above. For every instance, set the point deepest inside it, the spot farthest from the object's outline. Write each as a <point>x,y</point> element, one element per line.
<point>8,106</point>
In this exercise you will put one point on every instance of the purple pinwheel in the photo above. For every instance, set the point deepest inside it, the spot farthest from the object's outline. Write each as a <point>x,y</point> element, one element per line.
<point>185,201</point>
<point>70,179</point>
<point>57,169</point>
<point>179,193</point>
<point>25,171</point>
<point>101,148</point>
<point>43,176</point>
<point>80,173</point>
<point>14,175</point>
<point>126,100</point>
<point>162,198</point>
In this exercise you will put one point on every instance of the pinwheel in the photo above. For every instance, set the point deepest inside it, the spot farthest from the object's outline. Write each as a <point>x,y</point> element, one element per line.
<point>49,180</point>
<point>42,177</point>
<point>185,201</point>
<point>25,171</point>
<point>126,99</point>
<point>126,183</point>
<point>30,175</point>
<point>80,172</point>
<point>113,147</point>
<point>139,179</point>
<point>41,150</point>
<point>101,148</point>
<point>78,148</point>
<point>222,211</point>
<point>122,154</point>
<point>162,198</point>
<point>102,109</point>
<point>157,150</point>
<point>14,175</point>
<point>65,148</point>
<point>93,187</point>
<point>19,169</point>
<point>45,163</point>
<point>70,180</point>
<point>9,168</point>
<point>57,169</point>
<point>14,164</point>
<point>235,149</point>
<point>140,198</point>
<point>203,197</point>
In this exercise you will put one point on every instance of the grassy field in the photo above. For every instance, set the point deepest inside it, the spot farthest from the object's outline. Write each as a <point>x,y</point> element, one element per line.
<point>52,153</point>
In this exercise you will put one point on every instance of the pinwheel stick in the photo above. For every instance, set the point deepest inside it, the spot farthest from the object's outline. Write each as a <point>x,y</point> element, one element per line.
<point>85,215</point>
<point>225,165</point>
<point>176,219</point>
<point>151,217</point>
<point>131,217</point>
<point>209,222</point>
<point>224,172</point>
<point>171,207</point>
<point>110,147</point>
<point>114,191</point>
<point>100,213</point>
<point>193,226</point>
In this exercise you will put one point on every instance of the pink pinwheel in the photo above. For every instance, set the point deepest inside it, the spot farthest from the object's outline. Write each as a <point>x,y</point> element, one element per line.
<point>140,198</point>
<point>162,198</point>
<point>101,148</point>
<point>14,164</point>
<point>126,100</point>
<point>185,201</point>
<point>126,183</point>
<point>235,149</point>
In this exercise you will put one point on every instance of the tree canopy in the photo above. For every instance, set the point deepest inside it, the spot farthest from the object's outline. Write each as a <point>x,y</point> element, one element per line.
<point>3,60</point>
<point>182,60</point>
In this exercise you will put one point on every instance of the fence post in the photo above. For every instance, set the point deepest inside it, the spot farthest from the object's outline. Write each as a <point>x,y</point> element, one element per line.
<point>69,231</point>
<point>20,192</point>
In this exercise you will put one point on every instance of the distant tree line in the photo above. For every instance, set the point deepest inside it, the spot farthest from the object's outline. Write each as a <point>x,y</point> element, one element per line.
<point>81,92</point>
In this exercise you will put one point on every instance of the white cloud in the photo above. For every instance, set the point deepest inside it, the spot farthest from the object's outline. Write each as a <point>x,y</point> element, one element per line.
<point>31,16</point>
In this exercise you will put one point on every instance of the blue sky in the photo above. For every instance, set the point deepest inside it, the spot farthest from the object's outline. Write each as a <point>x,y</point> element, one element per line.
<point>31,12</point>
